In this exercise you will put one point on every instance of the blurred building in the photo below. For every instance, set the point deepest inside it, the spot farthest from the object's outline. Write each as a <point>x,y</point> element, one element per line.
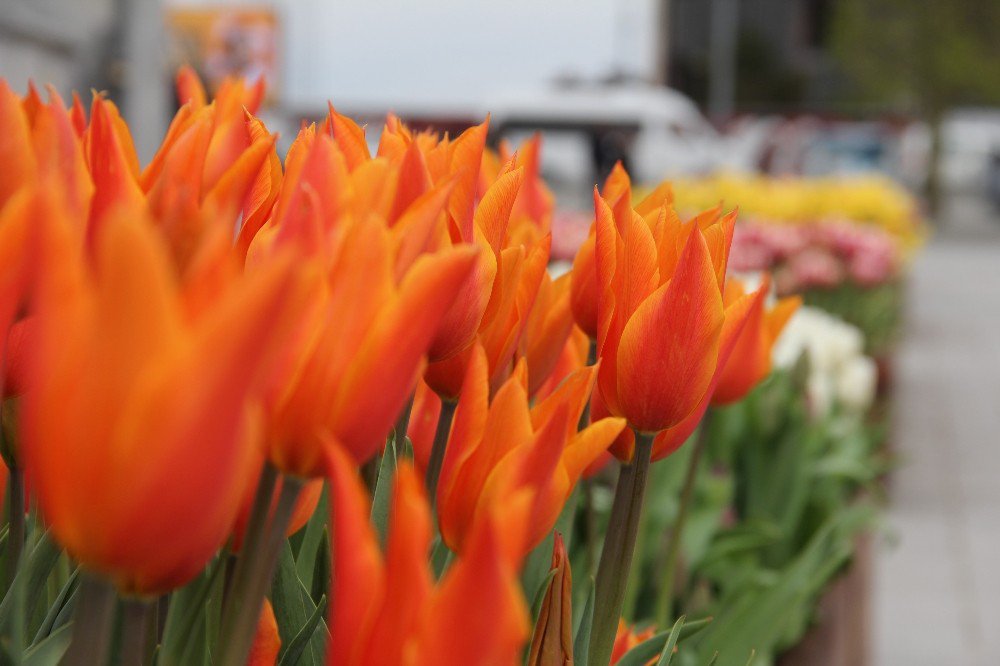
<point>58,42</point>
<point>780,54</point>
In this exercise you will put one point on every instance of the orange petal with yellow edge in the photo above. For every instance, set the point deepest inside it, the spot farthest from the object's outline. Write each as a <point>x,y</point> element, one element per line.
<point>670,346</point>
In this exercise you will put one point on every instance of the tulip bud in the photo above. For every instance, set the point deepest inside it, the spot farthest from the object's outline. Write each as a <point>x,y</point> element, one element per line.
<point>552,642</point>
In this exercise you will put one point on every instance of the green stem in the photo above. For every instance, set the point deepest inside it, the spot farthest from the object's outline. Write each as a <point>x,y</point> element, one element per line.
<point>257,522</point>
<point>619,546</point>
<point>15,516</point>
<point>255,567</point>
<point>590,515</point>
<point>403,422</point>
<point>635,576</point>
<point>665,604</point>
<point>93,623</point>
<point>438,449</point>
<point>138,631</point>
<point>589,525</point>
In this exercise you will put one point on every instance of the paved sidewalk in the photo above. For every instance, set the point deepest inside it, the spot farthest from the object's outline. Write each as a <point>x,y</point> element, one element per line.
<point>937,589</point>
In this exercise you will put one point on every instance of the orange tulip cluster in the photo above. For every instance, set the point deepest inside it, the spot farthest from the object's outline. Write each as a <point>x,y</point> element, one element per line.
<point>174,330</point>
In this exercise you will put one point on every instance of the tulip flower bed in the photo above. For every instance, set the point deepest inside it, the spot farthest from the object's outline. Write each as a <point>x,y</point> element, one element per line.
<point>333,409</point>
<point>854,272</point>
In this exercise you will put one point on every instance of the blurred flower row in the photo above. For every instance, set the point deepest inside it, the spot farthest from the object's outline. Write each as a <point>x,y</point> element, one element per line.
<point>333,407</point>
<point>817,257</point>
<point>863,201</point>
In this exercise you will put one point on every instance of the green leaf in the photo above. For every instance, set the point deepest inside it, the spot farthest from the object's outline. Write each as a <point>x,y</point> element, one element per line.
<point>383,491</point>
<point>539,560</point>
<point>405,450</point>
<point>322,572</point>
<point>305,561</point>
<point>62,599</point>
<point>28,587</point>
<point>293,607</point>
<point>760,617</point>
<point>440,557</point>
<point>539,597</point>
<point>51,650</point>
<point>291,653</point>
<point>668,650</point>
<point>66,612</point>
<point>581,643</point>
<point>186,629</point>
<point>651,647</point>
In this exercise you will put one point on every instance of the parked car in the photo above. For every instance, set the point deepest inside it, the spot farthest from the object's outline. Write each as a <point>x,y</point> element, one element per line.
<point>970,138</point>
<point>656,132</point>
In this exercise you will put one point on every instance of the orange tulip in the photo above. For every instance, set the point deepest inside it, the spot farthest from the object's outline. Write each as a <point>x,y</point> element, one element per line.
<point>583,286</point>
<point>520,272</point>
<point>217,164</point>
<point>20,252</point>
<point>547,331</point>
<point>132,396</point>
<point>44,168</point>
<point>463,320</point>
<point>660,310</point>
<point>531,215</point>
<point>584,292</point>
<point>617,191</point>
<point>388,609</point>
<point>266,640</point>
<point>113,164</point>
<point>16,153</point>
<point>490,205</point>
<point>19,343</point>
<point>552,642</point>
<point>233,101</point>
<point>491,300</point>
<point>59,155</point>
<point>424,416</point>
<point>40,144</point>
<point>739,309</point>
<point>503,454</point>
<point>359,354</point>
<point>574,355</point>
<point>750,360</point>
<point>535,201</point>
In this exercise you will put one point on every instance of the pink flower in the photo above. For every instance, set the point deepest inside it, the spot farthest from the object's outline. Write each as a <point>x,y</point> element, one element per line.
<point>569,230</point>
<point>816,267</point>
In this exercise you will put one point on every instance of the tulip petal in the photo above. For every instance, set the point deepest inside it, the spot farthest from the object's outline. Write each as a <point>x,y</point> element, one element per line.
<point>457,632</point>
<point>358,581</point>
<point>469,422</point>
<point>670,346</point>
<point>406,572</point>
<point>398,339</point>
<point>15,146</point>
<point>736,314</point>
<point>493,212</point>
<point>466,158</point>
<point>350,137</point>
